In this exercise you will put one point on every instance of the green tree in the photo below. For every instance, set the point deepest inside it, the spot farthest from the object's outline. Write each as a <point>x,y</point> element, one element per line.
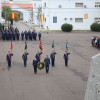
<point>39,13</point>
<point>6,14</point>
<point>17,16</point>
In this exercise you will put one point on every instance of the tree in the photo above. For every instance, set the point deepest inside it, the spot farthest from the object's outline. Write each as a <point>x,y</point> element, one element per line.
<point>6,14</point>
<point>39,13</point>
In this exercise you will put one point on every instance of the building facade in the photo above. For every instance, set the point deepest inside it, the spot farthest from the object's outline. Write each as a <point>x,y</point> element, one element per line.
<point>25,10</point>
<point>81,14</point>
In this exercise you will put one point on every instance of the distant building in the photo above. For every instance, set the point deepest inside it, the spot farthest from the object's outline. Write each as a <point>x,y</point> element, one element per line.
<point>25,10</point>
<point>80,13</point>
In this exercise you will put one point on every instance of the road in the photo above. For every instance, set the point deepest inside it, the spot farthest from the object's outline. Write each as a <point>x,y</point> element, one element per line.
<point>62,83</point>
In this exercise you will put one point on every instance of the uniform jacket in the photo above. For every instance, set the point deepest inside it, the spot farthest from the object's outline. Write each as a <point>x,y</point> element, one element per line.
<point>47,61</point>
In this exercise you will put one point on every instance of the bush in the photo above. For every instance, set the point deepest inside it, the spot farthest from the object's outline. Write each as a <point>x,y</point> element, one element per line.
<point>95,27</point>
<point>67,27</point>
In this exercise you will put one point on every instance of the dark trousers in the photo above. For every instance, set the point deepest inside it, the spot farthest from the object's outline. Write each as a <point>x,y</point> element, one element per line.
<point>39,38</point>
<point>35,69</point>
<point>66,62</point>
<point>9,65</point>
<point>22,38</point>
<point>14,38</point>
<point>47,68</point>
<point>53,62</point>
<point>25,63</point>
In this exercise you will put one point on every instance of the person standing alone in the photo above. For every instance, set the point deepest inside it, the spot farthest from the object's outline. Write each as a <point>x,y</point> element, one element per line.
<point>8,58</point>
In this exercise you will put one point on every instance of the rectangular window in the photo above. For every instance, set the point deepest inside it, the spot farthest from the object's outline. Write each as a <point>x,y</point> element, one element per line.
<point>97,19</point>
<point>97,4</point>
<point>54,19</point>
<point>45,19</point>
<point>78,20</point>
<point>78,4</point>
<point>45,4</point>
<point>34,4</point>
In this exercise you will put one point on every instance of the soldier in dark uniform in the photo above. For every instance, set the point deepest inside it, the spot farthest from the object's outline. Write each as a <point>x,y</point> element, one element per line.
<point>35,65</point>
<point>3,35</point>
<point>17,35</point>
<point>47,63</point>
<point>22,35</point>
<point>38,56</point>
<point>30,35</point>
<point>66,57</point>
<point>24,57</point>
<point>14,35</point>
<point>26,35</point>
<point>35,36</point>
<point>52,56</point>
<point>39,35</point>
<point>8,58</point>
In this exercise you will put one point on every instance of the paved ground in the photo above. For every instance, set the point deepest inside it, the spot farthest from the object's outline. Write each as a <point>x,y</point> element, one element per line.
<point>61,83</point>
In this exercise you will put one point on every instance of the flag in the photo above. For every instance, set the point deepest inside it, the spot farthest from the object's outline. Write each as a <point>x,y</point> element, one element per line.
<point>40,46</point>
<point>85,16</point>
<point>52,45</point>
<point>11,45</point>
<point>13,15</point>
<point>42,17</point>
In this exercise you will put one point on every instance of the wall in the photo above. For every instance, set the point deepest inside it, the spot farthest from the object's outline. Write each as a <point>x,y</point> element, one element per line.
<point>26,13</point>
<point>93,84</point>
<point>68,11</point>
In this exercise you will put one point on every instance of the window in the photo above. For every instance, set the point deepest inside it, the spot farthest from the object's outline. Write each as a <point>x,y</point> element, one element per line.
<point>97,19</point>
<point>45,19</point>
<point>97,4</point>
<point>78,4</point>
<point>54,19</point>
<point>78,20</point>
<point>34,4</point>
<point>45,4</point>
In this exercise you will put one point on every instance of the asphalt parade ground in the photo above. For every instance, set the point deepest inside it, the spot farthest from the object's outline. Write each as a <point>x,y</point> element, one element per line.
<point>61,83</point>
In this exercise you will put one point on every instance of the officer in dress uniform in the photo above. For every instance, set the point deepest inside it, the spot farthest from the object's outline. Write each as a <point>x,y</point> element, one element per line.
<point>24,57</point>
<point>14,35</point>
<point>22,35</point>
<point>66,57</point>
<point>35,36</point>
<point>26,35</point>
<point>17,35</point>
<point>35,65</point>
<point>8,58</point>
<point>39,35</point>
<point>52,56</point>
<point>47,63</point>
<point>38,56</point>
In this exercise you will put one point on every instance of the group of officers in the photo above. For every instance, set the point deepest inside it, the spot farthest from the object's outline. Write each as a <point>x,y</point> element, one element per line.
<point>95,42</point>
<point>37,59</point>
<point>14,34</point>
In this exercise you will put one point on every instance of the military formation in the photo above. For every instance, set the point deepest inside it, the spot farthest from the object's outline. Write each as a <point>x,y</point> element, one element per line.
<point>14,34</point>
<point>37,59</point>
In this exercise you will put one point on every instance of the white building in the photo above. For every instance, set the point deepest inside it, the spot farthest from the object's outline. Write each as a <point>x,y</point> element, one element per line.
<point>80,13</point>
<point>25,10</point>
